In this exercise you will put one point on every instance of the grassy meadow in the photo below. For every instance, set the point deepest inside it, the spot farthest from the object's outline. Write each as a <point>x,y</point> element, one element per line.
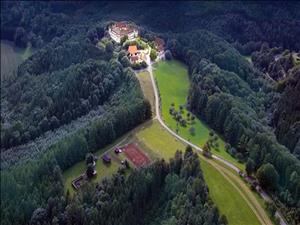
<point>158,142</point>
<point>173,83</point>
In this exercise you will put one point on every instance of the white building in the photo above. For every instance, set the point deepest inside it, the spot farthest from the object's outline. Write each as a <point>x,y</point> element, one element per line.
<point>121,29</point>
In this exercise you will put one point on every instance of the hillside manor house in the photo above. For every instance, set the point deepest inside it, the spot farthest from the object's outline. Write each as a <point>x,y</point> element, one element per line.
<point>121,29</point>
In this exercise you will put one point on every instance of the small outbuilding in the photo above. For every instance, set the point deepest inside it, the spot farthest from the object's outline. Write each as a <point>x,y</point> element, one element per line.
<point>118,150</point>
<point>134,54</point>
<point>106,158</point>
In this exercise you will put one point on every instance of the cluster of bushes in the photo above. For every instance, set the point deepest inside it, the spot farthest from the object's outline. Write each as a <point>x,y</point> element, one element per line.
<point>138,42</point>
<point>144,197</point>
<point>139,66</point>
<point>178,116</point>
<point>153,54</point>
<point>230,101</point>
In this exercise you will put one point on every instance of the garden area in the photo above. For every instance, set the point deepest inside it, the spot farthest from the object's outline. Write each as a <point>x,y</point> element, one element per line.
<point>101,167</point>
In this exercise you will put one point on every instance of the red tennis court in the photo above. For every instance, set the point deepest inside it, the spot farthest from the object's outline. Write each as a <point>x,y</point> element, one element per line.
<point>135,155</point>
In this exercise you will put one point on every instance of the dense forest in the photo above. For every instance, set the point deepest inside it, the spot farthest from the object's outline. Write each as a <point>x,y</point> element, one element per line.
<point>253,105</point>
<point>40,174</point>
<point>287,115</point>
<point>164,193</point>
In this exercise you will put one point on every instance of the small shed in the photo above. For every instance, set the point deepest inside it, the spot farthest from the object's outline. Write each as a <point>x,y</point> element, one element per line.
<point>106,158</point>
<point>118,150</point>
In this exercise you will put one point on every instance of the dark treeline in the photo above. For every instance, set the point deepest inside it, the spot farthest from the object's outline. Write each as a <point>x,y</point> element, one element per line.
<point>247,24</point>
<point>164,193</point>
<point>287,115</point>
<point>35,106</point>
<point>273,61</point>
<point>50,90</point>
<point>37,23</point>
<point>235,103</point>
<point>282,66</point>
<point>27,187</point>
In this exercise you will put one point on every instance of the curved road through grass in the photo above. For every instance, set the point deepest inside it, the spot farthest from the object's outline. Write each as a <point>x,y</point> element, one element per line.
<point>222,167</point>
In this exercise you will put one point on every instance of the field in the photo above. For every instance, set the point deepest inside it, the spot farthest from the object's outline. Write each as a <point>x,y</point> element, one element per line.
<point>11,58</point>
<point>173,83</point>
<point>159,142</point>
<point>147,88</point>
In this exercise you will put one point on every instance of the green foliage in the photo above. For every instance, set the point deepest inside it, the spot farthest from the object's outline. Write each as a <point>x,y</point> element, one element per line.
<point>173,83</point>
<point>144,197</point>
<point>124,39</point>
<point>90,170</point>
<point>89,158</point>
<point>153,54</point>
<point>271,208</point>
<point>138,66</point>
<point>267,176</point>
<point>138,42</point>
<point>168,55</point>
<point>233,99</point>
<point>250,166</point>
<point>286,117</point>
<point>45,108</point>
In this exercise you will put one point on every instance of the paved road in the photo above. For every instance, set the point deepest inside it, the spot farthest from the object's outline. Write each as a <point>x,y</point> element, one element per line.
<point>264,218</point>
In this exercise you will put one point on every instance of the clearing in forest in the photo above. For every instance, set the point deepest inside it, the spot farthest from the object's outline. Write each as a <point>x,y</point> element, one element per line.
<point>173,84</point>
<point>156,141</point>
<point>135,155</point>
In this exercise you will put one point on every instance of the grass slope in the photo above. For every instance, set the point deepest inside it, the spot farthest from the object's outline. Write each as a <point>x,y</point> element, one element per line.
<point>158,143</point>
<point>230,203</point>
<point>146,85</point>
<point>173,83</point>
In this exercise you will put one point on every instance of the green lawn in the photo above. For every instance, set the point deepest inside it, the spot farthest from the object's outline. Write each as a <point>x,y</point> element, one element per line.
<point>158,142</point>
<point>228,200</point>
<point>103,170</point>
<point>173,83</point>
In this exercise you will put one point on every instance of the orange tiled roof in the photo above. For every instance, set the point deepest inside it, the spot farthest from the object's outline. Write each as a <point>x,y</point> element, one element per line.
<point>132,49</point>
<point>121,25</point>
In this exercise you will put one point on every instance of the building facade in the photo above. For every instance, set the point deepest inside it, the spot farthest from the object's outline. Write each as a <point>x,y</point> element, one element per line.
<point>121,29</point>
